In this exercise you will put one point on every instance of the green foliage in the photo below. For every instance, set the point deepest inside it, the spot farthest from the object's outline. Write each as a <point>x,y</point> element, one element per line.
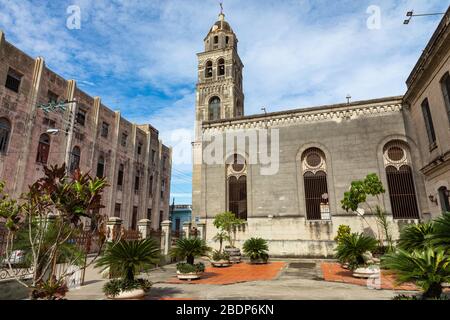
<point>129,258</point>
<point>190,268</point>
<point>404,297</point>
<point>359,191</point>
<point>343,231</point>
<point>351,249</point>
<point>218,256</point>
<point>441,234</point>
<point>114,287</point>
<point>415,236</point>
<point>221,237</point>
<point>256,248</point>
<point>428,269</point>
<point>228,222</point>
<point>50,290</point>
<point>381,217</point>
<point>189,249</point>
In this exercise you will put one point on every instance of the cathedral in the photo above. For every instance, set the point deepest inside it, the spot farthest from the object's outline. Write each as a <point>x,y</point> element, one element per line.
<point>288,171</point>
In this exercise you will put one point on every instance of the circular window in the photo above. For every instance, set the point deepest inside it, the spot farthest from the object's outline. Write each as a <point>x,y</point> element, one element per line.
<point>313,160</point>
<point>238,163</point>
<point>238,167</point>
<point>396,153</point>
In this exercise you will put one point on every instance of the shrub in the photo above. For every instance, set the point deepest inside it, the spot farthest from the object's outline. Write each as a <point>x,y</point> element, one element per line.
<point>428,269</point>
<point>130,257</point>
<point>228,222</point>
<point>352,248</point>
<point>189,249</point>
<point>343,231</point>
<point>114,287</point>
<point>256,248</point>
<point>441,232</point>
<point>190,268</point>
<point>217,256</point>
<point>415,236</point>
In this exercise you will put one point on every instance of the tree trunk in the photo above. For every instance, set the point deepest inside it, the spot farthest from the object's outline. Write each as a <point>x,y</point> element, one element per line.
<point>190,260</point>
<point>434,291</point>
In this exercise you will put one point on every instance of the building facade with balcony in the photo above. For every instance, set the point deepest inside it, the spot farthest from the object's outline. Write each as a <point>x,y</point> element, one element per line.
<point>87,135</point>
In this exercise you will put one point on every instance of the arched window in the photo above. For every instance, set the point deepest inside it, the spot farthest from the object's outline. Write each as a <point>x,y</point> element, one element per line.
<point>214,108</point>
<point>216,39</point>
<point>237,186</point>
<point>43,149</point>
<point>227,40</point>
<point>209,69</point>
<point>444,199</point>
<point>101,167</point>
<point>5,131</point>
<point>316,186</point>
<point>400,181</point>
<point>221,65</point>
<point>75,159</point>
<point>239,109</point>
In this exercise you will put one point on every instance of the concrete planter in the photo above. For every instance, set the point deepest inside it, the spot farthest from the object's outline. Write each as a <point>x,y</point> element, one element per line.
<point>188,276</point>
<point>235,255</point>
<point>258,261</point>
<point>368,272</point>
<point>133,294</point>
<point>221,263</point>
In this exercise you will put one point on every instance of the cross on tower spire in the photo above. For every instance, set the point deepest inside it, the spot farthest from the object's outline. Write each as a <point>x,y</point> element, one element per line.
<point>221,7</point>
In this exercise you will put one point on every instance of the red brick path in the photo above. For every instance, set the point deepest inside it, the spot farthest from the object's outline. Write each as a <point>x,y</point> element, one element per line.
<point>335,273</point>
<point>242,272</point>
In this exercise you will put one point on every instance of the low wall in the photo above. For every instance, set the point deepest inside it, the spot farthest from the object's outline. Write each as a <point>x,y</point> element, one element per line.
<point>12,290</point>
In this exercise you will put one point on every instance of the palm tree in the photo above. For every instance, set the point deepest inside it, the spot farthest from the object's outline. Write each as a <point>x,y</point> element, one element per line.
<point>352,247</point>
<point>256,248</point>
<point>221,237</point>
<point>415,236</point>
<point>130,257</point>
<point>189,249</point>
<point>428,268</point>
<point>441,234</point>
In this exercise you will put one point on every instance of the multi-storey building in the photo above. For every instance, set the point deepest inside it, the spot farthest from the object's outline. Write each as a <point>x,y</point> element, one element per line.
<point>87,135</point>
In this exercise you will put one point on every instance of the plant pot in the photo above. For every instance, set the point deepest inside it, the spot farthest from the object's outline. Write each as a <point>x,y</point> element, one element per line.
<point>188,276</point>
<point>221,263</point>
<point>133,294</point>
<point>258,261</point>
<point>235,254</point>
<point>369,272</point>
<point>345,266</point>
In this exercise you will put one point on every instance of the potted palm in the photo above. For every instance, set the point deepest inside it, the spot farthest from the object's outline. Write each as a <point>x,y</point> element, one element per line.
<point>228,222</point>
<point>354,250</point>
<point>220,258</point>
<point>257,250</point>
<point>125,259</point>
<point>189,249</point>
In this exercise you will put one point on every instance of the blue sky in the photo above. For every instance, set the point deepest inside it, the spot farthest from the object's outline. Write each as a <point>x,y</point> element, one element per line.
<point>140,56</point>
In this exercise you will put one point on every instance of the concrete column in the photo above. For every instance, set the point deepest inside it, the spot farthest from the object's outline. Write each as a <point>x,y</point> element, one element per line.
<point>114,226</point>
<point>201,227</point>
<point>166,236</point>
<point>144,227</point>
<point>186,230</point>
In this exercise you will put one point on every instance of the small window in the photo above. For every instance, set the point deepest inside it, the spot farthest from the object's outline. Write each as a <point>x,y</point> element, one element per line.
<point>214,108</point>
<point>151,186</point>
<point>216,40</point>
<point>52,97</point>
<point>13,80</point>
<point>153,156</point>
<point>43,149</point>
<point>227,40</point>
<point>445,84</point>
<point>101,167</point>
<point>117,210</point>
<point>5,132</point>
<point>429,124</point>
<point>149,214</point>
<point>49,122</point>
<point>139,148</point>
<point>209,70</point>
<point>81,117</point>
<point>105,129</point>
<point>124,139</point>
<point>221,67</point>
<point>164,163</point>
<point>136,181</point>
<point>75,159</point>
<point>134,218</point>
<point>120,176</point>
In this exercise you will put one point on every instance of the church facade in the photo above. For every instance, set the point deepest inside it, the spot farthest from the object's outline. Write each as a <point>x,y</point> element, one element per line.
<point>286,173</point>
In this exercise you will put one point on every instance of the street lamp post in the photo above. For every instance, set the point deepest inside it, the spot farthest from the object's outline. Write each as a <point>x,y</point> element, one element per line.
<point>61,107</point>
<point>411,14</point>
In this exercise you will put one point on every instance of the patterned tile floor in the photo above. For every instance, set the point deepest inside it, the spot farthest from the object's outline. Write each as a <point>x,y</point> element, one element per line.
<point>242,272</point>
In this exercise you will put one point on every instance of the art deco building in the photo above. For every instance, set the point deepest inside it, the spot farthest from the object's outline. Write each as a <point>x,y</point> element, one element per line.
<point>88,135</point>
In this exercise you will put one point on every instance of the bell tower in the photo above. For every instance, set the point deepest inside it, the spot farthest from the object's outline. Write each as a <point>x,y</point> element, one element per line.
<point>219,87</point>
